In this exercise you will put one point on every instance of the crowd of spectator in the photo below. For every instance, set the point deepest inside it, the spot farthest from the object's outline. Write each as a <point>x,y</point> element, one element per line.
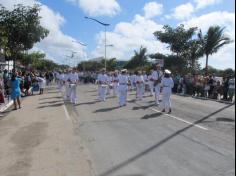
<point>30,82</point>
<point>219,88</point>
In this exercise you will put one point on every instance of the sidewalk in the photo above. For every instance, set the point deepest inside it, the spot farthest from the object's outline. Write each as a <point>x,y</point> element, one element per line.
<point>38,140</point>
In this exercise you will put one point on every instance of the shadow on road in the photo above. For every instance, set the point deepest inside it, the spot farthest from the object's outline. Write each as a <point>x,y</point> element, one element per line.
<point>142,107</point>
<point>159,144</point>
<point>51,102</point>
<point>52,106</point>
<point>88,103</point>
<point>151,116</point>
<point>106,109</point>
<point>41,99</point>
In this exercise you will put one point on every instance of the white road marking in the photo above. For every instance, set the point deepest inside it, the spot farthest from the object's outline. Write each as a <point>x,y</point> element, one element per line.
<point>182,120</point>
<point>65,109</point>
<point>66,113</point>
<point>176,118</point>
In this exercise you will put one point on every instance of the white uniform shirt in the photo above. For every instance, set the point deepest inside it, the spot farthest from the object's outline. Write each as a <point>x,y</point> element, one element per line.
<point>150,78</point>
<point>232,84</point>
<point>139,79</point>
<point>145,77</point>
<point>132,78</point>
<point>115,79</point>
<point>123,79</point>
<point>74,77</point>
<point>103,78</point>
<point>167,84</point>
<point>156,75</point>
<point>42,82</point>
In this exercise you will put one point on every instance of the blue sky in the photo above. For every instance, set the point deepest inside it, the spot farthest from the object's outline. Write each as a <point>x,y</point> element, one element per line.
<point>132,24</point>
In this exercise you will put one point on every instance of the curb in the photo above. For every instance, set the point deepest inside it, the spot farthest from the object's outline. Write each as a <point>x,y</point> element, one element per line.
<point>209,99</point>
<point>6,106</point>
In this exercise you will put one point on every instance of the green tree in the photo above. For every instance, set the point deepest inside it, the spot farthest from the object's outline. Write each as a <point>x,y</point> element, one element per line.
<point>22,28</point>
<point>140,59</point>
<point>176,38</point>
<point>213,41</point>
<point>193,52</point>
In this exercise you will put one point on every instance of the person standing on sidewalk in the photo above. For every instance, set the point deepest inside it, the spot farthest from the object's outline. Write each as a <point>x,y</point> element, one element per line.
<point>15,90</point>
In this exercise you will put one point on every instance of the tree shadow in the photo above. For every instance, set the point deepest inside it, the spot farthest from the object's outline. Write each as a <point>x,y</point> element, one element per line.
<point>52,106</point>
<point>51,102</point>
<point>91,91</point>
<point>106,109</point>
<point>131,101</point>
<point>151,116</point>
<point>223,119</point>
<point>58,97</point>
<point>88,103</point>
<point>53,92</point>
<point>159,144</point>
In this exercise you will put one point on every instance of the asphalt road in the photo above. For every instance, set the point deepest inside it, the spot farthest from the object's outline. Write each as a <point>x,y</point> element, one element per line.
<point>198,139</point>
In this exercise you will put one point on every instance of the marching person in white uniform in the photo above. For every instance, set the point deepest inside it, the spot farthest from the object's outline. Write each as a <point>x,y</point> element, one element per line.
<point>103,84</point>
<point>167,84</point>
<point>109,83</point>
<point>132,81</point>
<point>115,81</point>
<point>123,87</point>
<point>151,84</point>
<point>145,77</point>
<point>74,79</point>
<point>66,80</point>
<point>139,80</point>
<point>157,77</point>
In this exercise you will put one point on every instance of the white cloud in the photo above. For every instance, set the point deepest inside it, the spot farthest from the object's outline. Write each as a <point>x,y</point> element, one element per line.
<point>152,9</point>
<point>204,3</point>
<point>225,58</point>
<point>183,11</point>
<point>57,44</point>
<point>128,37</point>
<point>98,7</point>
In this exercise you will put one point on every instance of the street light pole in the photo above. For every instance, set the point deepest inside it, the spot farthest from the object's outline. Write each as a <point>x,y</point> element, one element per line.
<point>82,44</point>
<point>105,25</point>
<point>105,48</point>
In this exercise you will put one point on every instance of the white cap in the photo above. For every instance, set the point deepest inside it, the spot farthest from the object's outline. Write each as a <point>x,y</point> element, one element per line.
<point>167,72</point>
<point>124,70</point>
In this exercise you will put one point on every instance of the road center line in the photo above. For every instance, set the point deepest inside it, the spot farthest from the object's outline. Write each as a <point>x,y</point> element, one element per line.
<point>176,118</point>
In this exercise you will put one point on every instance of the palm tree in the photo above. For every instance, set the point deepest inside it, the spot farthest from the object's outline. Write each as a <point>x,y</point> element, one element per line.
<point>213,41</point>
<point>139,59</point>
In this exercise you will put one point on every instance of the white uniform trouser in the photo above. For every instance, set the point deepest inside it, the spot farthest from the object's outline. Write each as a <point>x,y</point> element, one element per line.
<point>68,91</point>
<point>151,87</point>
<point>115,89</point>
<point>157,93</point>
<point>60,85</point>
<point>140,88</point>
<point>132,85</point>
<point>73,95</point>
<point>102,93</point>
<point>166,101</point>
<point>108,89</point>
<point>122,94</point>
